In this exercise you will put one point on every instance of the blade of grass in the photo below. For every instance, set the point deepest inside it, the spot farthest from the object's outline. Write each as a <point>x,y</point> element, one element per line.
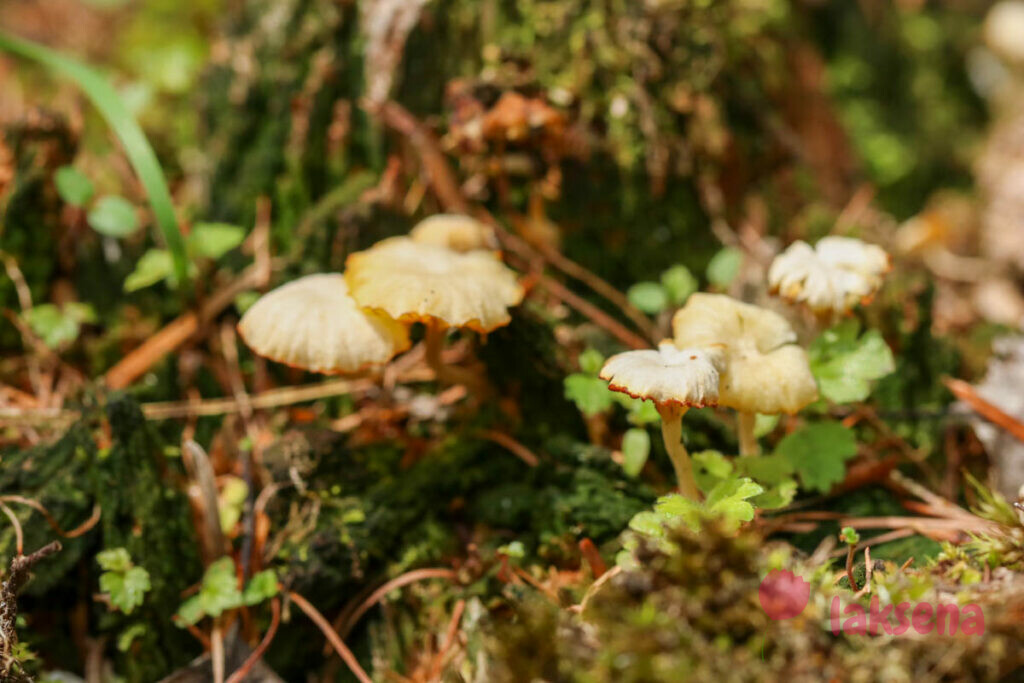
<point>136,146</point>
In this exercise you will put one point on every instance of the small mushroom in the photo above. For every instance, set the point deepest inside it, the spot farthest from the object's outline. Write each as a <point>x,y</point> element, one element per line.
<point>414,282</point>
<point>313,323</point>
<point>832,277</point>
<point>674,380</point>
<point>1004,28</point>
<point>764,370</point>
<point>454,231</point>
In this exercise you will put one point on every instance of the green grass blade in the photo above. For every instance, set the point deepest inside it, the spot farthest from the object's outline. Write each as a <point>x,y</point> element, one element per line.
<point>134,141</point>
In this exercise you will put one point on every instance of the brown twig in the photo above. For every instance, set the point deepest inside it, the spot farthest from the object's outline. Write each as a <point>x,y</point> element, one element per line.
<point>19,535</point>
<point>510,444</point>
<point>333,638</point>
<point>38,507</point>
<point>596,315</point>
<point>275,618</point>
<point>175,333</point>
<point>593,558</point>
<point>966,393</point>
<point>851,551</point>
<point>352,613</point>
<point>9,590</point>
<point>449,640</point>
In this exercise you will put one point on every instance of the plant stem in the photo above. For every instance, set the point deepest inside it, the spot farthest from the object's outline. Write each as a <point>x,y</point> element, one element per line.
<point>672,433</point>
<point>748,442</point>
<point>446,374</point>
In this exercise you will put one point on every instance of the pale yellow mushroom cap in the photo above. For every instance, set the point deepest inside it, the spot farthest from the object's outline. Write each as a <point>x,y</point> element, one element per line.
<point>667,376</point>
<point>455,231</point>
<point>764,371</point>
<point>424,282</point>
<point>835,275</point>
<point>1004,30</point>
<point>313,323</point>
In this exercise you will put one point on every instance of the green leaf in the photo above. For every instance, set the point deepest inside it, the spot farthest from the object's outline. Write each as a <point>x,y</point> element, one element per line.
<point>126,586</point>
<point>127,636</point>
<point>714,463</point>
<point>262,586</point>
<point>679,283</point>
<point>190,612</point>
<point>114,560</point>
<point>649,297</point>
<point>113,216</point>
<point>818,454</point>
<point>764,424</point>
<point>677,507</point>
<point>213,240</point>
<point>640,413</point>
<point>636,446</point>
<point>52,325</point>
<point>591,361</point>
<point>219,592</point>
<point>590,394</point>
<point>849,535</point>
<point>154,266</point>
<point>778,496</point>
<point>73,186</point>
<point>767,469</point>
<point>845,364</point>
<point>724,266</point>
<point>121,121</point>
<point>648,523</point>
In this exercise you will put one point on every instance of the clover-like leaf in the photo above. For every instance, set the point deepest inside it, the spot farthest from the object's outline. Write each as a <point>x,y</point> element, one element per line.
<point>845,364</point>
<point>818,454</point>
<point>590,394</point>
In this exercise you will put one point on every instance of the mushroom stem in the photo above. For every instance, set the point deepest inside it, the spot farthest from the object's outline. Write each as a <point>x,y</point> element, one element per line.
<point>448,374</point>
<point>748,442</point>
<point>672,433</point>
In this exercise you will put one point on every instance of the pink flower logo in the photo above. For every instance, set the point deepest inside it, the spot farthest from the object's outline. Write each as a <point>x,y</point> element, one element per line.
<point>783,595</point>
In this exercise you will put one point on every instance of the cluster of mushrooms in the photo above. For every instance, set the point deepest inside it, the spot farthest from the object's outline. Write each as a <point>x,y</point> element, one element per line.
<point>737,355</point>
<point>444,274</point>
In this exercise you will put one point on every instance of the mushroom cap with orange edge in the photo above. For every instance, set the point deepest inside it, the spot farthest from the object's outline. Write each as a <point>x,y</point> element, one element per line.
<point>835,275</point>
<point>667,376</point>
<point>410,282</point>
<point>455,231</point>
<point>313,323</point>
<point>764,371</point>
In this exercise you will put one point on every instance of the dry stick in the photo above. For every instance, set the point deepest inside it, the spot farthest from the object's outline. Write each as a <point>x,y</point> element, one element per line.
<point>513,446</point>
<point>449,640</point>
<point>197,463</point>
<point>37,506</point>
<point>9,589</point>
<point>175,333</point>
<point>217,651</point>
<point>19,535</point>
<point>966,393</point>
<point>849,565</point>
<point>894,535</point>
<point>272,398</point>
<point>350,616</point>
<point>617,329</point>
<point>599,285</point>
<point>275,618</point>
<point>332,637</point>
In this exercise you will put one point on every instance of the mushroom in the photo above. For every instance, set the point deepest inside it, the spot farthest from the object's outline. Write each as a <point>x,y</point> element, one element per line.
<point>674,380</point>
<point>414,282</point>
<point>454,231</point>
<point>313,323</point>
<point>764,371</point>
<point>830,278</point>
<point>1004,26</point>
